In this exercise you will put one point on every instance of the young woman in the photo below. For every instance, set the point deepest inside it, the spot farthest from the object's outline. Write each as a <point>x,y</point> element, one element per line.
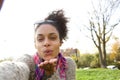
<point>49,35</point>
<point>48,63</point>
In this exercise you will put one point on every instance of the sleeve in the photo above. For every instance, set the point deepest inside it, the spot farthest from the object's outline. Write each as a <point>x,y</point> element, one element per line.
<point>12,70</point>
<point>28,60</point>
<point>71,71</point>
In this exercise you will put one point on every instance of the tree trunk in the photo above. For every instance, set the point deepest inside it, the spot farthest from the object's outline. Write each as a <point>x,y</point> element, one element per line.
<point>104,55</point>
<point>102,59</point>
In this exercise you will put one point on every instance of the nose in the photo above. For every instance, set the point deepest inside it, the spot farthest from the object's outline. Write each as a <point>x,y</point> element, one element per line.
<point>46,42</point>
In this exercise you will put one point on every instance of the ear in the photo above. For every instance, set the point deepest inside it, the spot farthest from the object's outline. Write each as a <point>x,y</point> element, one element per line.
<point>61,42</point>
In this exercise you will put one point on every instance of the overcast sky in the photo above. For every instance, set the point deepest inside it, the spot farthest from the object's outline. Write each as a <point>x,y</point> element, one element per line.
<point>18,16</point>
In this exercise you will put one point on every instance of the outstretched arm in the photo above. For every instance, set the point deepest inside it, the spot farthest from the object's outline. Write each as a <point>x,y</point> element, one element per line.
<point>28,60</point>
<point>11,70</point>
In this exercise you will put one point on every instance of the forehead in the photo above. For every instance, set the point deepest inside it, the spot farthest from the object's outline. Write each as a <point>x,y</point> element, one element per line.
<point>46,29</point>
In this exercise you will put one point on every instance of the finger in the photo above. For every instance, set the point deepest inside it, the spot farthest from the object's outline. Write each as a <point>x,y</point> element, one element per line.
<point>40,65</point>
<point>54,69</point>
<point>53,62</point>
<point>45,62</point>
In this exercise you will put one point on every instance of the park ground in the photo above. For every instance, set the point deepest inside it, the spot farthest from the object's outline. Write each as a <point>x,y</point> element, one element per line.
<point>97,74</point>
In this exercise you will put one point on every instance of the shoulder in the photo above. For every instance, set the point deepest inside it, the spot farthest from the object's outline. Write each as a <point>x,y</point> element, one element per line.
<point>70,62</point>
<point>71,69</point>
<point>27,59</point>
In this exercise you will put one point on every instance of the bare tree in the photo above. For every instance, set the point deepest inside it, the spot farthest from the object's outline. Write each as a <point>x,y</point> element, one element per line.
<point>102,23</point>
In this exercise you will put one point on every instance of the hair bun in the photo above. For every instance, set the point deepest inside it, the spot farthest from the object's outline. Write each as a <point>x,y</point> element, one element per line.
<point>61,21</point>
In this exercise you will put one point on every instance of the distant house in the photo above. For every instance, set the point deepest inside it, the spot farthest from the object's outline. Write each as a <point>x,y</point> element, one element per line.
<point>74,53</point>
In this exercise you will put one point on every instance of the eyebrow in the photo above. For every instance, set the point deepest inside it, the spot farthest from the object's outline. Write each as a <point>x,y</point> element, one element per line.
<point>49,34</point>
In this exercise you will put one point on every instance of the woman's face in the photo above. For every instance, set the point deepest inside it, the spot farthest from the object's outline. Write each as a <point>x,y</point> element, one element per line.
<point>47,41</point>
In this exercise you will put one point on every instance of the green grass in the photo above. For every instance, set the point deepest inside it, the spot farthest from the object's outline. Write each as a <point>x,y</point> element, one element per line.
<point>97,74</point>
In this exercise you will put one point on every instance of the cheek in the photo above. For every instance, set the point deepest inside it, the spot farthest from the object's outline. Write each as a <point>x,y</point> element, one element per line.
<point>57,47</point>
<point>57,44</point>
<point>39,49</point>
<point>37,46</point>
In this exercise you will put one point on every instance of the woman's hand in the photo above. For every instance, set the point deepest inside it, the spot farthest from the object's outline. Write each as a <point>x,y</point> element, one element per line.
<point>49,66</point>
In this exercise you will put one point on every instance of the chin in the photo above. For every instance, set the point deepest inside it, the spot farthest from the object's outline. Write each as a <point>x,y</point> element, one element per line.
<point>47,58</point>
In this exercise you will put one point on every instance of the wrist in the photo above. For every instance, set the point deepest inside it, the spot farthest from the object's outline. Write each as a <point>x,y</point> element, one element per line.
<point>47,75</point>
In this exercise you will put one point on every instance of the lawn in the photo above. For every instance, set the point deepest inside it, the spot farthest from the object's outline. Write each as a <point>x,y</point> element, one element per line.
<point>97,74</point>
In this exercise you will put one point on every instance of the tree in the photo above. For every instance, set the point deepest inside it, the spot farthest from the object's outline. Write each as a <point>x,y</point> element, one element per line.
<point>101,25</point>
<point>115,51</point>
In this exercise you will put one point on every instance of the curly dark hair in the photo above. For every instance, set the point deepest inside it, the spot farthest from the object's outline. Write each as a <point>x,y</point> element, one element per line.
<point>59,21</point>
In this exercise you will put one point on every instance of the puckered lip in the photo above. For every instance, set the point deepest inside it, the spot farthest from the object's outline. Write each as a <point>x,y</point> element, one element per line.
<point>48,52</point>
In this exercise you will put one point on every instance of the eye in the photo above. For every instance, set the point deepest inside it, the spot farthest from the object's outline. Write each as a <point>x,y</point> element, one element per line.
<point>53,38</point>
<point>40,39</point>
